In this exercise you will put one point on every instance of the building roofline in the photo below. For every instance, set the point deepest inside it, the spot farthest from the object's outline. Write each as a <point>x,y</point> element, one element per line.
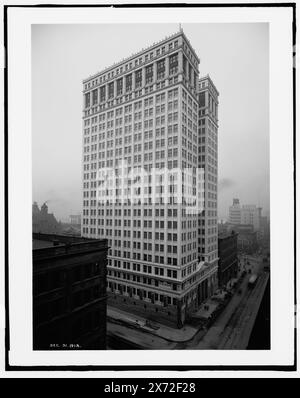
<point>207,77</point>
<point>146,49</point>
<point>189,43</point>
<point>69,246</point>
<point>225,235</point>
<point>64,240</point>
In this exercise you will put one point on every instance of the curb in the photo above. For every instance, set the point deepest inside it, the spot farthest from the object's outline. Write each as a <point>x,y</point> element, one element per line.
<point>132,326</point>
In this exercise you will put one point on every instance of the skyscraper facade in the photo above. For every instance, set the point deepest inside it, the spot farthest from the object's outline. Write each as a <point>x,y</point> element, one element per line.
<point>142,114</point>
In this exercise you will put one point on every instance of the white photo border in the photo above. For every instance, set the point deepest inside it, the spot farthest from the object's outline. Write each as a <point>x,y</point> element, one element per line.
<point>19,197</point>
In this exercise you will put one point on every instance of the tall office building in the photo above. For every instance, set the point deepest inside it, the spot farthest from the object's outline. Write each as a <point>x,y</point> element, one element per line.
<point>235,212</point>
<point>144,111</point>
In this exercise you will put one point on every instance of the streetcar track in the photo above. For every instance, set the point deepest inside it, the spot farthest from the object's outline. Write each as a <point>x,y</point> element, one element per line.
<point>236,326</point>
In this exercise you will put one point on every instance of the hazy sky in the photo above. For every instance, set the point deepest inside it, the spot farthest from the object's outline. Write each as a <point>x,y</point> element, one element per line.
<point>236,56</point>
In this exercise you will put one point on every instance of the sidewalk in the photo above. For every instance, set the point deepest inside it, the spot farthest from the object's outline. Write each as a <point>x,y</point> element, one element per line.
<point>184,334</point>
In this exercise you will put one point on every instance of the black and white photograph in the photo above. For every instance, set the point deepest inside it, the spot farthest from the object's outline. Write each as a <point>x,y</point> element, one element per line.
<point>123,258</point>
<point>153,168</point>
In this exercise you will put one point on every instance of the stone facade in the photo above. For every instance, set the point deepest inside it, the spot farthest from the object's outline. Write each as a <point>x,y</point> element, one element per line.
<point>144,111</point>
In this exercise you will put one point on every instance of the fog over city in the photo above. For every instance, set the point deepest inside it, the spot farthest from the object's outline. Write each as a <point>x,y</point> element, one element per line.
<point>63,55</point>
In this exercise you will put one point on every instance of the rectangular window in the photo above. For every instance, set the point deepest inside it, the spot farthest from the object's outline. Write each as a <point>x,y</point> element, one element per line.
<point>120,86</point>
<point>202,99</point>
<point>102,93</point>
<point>149,74</point>
<point>138,78</point>
<point>111,90</point>
<point>161,69</point>
<point>128,83</point>
<point>173,64</point>
<point>87,100</point>
<point>95,97</point>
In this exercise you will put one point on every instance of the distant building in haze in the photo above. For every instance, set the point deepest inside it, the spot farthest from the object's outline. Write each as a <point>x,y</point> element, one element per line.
<point>235,212</point>
<point>75,219</point>
<point>44,222</point>
<point>265,231</point>
<point>245,215</point>
<point>251,214</point>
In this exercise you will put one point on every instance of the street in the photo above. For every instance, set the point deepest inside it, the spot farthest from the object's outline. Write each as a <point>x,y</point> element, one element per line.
<point>231,329</point>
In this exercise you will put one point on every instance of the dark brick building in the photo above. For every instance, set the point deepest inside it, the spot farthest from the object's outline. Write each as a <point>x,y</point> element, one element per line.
<point>228,261</point>
<point>69,292</point>
<point>247,237</point>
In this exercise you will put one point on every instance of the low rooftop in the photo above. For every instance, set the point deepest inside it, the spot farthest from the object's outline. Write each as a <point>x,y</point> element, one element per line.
<point>225,235</point>
<point>41,244</point>
<point>53,245</point>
